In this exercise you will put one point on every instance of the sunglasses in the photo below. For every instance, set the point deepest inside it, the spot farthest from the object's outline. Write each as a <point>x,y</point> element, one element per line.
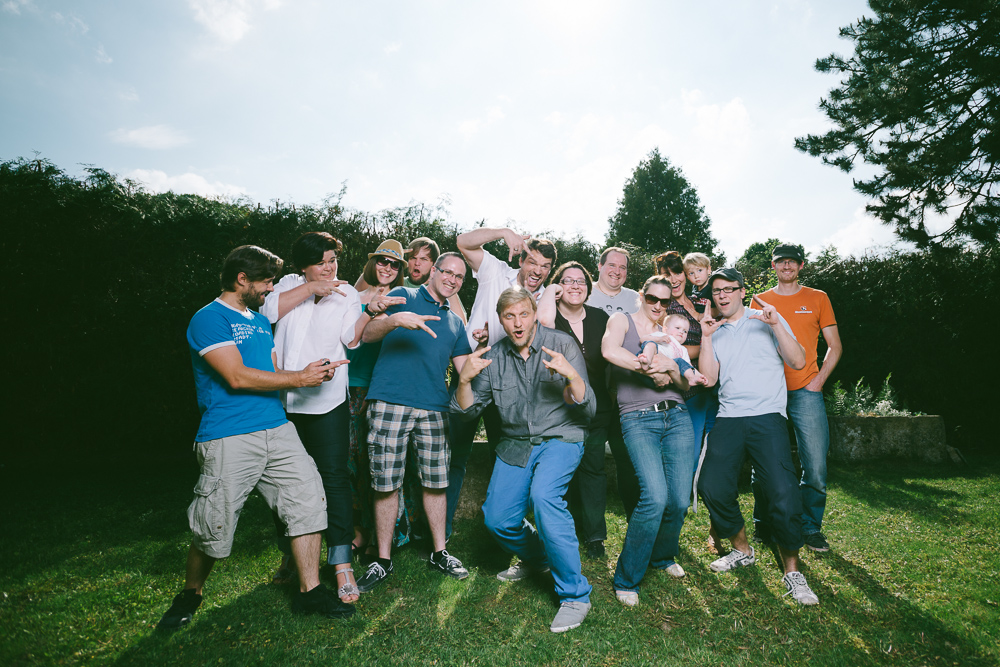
<point>650,299</point>
<point>385,261</point>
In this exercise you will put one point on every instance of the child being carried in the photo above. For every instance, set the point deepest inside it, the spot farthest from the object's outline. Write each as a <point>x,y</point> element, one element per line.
<point>667,343</point>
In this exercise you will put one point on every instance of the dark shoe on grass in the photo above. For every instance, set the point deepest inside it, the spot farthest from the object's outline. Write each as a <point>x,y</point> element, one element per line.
<point>447,564</point>
<point>375,575</point>
<point>595,549</point>
<point>321,600</point>
<point>185,604</point>
<point>816,541</point>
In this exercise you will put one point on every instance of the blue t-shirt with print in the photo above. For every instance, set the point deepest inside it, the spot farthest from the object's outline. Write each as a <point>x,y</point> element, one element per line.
<point>411,365</point>
<point>226,411</point>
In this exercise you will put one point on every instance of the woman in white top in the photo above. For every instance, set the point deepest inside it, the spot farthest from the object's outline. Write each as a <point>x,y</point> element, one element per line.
<point>318,317</point>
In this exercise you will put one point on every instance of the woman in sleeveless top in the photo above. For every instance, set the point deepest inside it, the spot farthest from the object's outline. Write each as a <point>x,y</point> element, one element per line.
<point>659,440</point>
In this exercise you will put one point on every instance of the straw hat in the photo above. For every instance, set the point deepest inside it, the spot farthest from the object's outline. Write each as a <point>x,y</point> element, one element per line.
<point>392,249</point>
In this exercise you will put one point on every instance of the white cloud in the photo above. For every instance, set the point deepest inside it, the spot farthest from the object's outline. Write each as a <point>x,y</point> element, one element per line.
<point>229,20</point>
<point>155,137</point>
<point>102,56</point>
<point>863,233</point>
<point>189,183</point>
<point>15,6</point>
<point>75,23</point>
<point>129,95</point>
<point>469,128</point>
<point>392,48</point>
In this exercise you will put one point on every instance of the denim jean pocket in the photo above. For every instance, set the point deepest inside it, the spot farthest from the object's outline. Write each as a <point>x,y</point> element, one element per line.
<point>207,512</point>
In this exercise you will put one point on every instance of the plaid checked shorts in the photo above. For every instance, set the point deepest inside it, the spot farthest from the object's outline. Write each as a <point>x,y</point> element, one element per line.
<point>389,434</point>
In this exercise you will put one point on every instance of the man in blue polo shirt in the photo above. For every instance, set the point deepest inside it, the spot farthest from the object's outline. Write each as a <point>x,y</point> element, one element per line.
<point>409,396</point>
<point>745,351</point>
<point>245,441</point>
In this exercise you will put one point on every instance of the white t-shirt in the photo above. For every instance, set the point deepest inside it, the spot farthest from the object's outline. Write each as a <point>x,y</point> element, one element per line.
<point>313,331</point>
<point>494,277</point>
<point>626,301</point>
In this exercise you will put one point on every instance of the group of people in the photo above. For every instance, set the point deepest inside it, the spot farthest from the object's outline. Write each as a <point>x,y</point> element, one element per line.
<point>344,419</point>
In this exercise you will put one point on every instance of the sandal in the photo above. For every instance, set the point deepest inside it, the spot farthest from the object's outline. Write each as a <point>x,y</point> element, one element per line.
<point>350,588</point>
<point>627,598</point>
<point>286,572</point>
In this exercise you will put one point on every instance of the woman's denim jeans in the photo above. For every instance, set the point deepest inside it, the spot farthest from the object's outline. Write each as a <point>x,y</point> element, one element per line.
<point>661,446</point>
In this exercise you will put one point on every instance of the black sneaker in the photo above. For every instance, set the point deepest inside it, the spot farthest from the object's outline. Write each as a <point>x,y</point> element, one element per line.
<point>595,549</point>
<point>375,575</point>
<point>180,612</point>
<point>322,601</point>
<point>816,541</point>
<point>447,564</point>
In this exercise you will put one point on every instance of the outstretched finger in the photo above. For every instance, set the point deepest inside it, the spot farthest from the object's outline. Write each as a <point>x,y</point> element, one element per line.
<point>549,352</point>
<point>427,329</point>
<point>761,301</point>
<point>334,289</point>
<point>481,351</point>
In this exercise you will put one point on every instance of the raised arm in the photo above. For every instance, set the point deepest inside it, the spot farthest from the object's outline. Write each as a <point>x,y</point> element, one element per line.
<point>792,353</point>
<point>472,367</point>
<point>548,305</point>
<point>470,244</point>
<point>707,363</point>
<point>380,327</point>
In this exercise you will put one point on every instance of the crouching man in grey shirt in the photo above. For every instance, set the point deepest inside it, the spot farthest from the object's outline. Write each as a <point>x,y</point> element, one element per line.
<point>538,380</point>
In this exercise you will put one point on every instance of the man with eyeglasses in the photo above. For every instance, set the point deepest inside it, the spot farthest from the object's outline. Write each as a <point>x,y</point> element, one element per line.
<point>745,351</point>
<point>409,396</point>
<point>808,312</point>
<point>493,276</point>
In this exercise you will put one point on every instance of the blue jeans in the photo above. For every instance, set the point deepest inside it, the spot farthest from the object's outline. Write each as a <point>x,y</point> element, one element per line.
<point>703,408</point>
<point>661,446</point>
<point>540,486</point>
<point>807,412</point>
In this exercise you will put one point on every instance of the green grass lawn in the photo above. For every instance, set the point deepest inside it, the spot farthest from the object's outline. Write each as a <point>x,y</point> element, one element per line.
<point>89,566</point>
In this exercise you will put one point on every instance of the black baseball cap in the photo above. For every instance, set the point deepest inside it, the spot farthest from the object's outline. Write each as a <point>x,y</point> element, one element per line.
<point>789,251</point>
<point>728,273</point>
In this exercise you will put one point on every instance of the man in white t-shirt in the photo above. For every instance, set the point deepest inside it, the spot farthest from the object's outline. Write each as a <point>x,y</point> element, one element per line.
<point>536,259</point>
<point>609,293</point>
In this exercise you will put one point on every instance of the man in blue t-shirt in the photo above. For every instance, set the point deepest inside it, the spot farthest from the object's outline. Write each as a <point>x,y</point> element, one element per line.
<point>745,351</point>
<point>244,440</point>
<point>409,396</point>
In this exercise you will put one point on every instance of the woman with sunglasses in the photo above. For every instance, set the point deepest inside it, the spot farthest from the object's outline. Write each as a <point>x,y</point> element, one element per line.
<point>382,272</point>
<point>659,439</point>
<point>317,317</point>
<point>563,306</point>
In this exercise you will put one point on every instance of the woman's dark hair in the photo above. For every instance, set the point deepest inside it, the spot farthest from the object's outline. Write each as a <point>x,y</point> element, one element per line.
<point>670,261</point>
<point>309,249</point>
<point>257,263</point>
<point>557,275</point>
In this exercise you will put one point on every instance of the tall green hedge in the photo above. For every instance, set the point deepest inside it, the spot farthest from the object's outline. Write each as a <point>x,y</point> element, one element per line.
<point>106,276</point>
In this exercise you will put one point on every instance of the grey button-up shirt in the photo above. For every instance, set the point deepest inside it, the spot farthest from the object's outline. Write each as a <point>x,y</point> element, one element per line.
<point>529,397</point>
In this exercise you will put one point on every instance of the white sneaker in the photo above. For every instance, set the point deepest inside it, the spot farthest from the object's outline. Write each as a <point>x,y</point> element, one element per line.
<point>570,615</point>
<point>797,587</point>
<point>674,570</point>
<point>518,571</point>
<point>733,560</point>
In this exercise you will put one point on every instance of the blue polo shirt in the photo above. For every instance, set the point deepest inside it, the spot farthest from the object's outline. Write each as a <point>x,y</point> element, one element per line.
<point>412,365</point>
<point>751,371</point>
<point>224,410</point>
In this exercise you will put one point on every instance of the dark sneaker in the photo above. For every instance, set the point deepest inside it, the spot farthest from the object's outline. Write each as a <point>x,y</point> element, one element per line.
<point>321,600</point>
<point>375,575</point>
<point>816,541</point>
<point>447,564</point>
<point>733,560</point>
<point>180,612</point>
<point>797,587</point>
<point>519,571</point>
<point>595,549</point>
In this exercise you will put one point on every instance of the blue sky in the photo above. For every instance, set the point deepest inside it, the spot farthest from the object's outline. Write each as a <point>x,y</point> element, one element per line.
<point>531,114</point>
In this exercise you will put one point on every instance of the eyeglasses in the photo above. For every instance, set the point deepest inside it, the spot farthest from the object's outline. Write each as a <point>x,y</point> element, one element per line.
<point>651,300</point>
<point>385,261</point>
<point>726,290</point>
<point>571,281</point>
<point>457,276</point>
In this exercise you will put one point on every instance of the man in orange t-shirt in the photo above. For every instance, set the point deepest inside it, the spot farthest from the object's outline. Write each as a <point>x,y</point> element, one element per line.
<point>808,312</point>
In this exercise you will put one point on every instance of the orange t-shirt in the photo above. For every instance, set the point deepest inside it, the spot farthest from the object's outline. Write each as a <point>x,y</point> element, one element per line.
<point>807,312</point>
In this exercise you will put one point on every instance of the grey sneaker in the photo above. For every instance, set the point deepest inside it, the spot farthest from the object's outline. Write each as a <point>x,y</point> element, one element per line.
<point>816,541</point>
<point>797,587</point>
<point>733,560</point>
<point>518,571</point>
<point>570,615</point>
